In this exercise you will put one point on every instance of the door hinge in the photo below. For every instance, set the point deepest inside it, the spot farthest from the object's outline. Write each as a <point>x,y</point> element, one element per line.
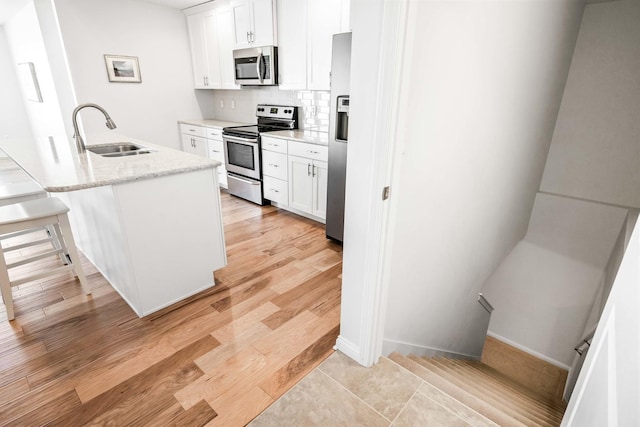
<point>385,193</point>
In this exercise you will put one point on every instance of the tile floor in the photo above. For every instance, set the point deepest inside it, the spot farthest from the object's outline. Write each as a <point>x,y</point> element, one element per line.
<point>340,392</point>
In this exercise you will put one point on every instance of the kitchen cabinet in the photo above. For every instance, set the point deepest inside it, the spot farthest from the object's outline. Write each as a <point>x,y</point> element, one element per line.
<point>253,23</point>
<point>308,185</point>
<point>205,142</point>
<point>193,140</point>
<point>275,170</point>
<point>308,178</point>
<point>211,40</point>
<point>305,31</point>
<point>215,151</point>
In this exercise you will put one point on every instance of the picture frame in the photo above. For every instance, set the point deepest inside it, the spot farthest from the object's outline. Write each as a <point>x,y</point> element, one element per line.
<point>123,69</point>
<point>30,81</point>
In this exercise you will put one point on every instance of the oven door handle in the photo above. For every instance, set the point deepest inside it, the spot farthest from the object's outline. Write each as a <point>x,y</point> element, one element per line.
<point>236,177</point>
<point>242,140</point>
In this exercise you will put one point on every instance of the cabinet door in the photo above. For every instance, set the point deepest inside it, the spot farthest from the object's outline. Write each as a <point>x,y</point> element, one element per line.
<point>324,21</point>
<point>300,184</point>
<point>213,52</point>
<point>319,172</point>
<point>195,145</point>
<point>197,40</point>
<point>292,44</point>
<point>225,49</point>
<point>241,23</point>
<point>262,23</point>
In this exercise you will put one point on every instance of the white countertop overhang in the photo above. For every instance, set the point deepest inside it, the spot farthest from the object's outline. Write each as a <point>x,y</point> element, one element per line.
<point>56,165</point>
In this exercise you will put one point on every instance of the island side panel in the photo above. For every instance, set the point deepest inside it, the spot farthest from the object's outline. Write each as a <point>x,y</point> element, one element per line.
<point>99,234</point>
<point>174,233</point>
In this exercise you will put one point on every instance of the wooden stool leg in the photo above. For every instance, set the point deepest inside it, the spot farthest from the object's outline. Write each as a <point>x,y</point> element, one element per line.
<point>5,287</point>
<point>67,236</point>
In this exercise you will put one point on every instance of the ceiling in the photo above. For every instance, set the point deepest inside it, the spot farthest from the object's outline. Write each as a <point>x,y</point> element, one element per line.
<point>9,7</point>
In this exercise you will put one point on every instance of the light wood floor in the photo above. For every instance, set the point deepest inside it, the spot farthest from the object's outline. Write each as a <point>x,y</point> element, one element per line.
<point>219,358</point>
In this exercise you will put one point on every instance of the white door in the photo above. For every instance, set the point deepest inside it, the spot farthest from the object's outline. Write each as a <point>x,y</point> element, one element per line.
<point>292,44</point>
<point>607,392</point>
<point>241,23</point>
<point>225,49</point>
<point>262,19</point>
<point>320,189</point>
<point>197,39</point>
<point>300,184</point>
<point>213,52</point>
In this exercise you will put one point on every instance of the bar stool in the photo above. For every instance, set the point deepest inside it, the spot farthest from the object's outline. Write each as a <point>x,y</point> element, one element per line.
<point>21,192</point>
<point>29,215</point>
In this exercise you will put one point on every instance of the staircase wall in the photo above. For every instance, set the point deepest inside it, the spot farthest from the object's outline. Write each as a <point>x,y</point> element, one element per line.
<point>482,84</point>
<point>545,288</point>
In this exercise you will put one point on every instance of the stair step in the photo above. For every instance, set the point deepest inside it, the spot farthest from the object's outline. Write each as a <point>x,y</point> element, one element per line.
<point>491,392</point>
<point>509,386</point>
<point>491,412</point>
<point>502,402</point>
<point>557,406</point>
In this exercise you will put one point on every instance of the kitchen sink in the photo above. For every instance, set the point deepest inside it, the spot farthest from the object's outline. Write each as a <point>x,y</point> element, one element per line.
<point>120,150</point>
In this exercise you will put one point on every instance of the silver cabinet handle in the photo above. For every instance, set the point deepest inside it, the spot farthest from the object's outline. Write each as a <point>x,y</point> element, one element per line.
<point>308,169</point>
<point>272,165</point>
<point>215,151</point>
<point>314,170</point>
<point>274,190</point>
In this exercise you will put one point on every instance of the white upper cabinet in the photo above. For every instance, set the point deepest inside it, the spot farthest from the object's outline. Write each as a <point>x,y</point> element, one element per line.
<point>253,23</point>
<point>197,39</point>
<point>305,35</point>
<point>211,38</point>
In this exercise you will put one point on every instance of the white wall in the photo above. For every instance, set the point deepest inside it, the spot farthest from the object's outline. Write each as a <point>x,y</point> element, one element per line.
<point>14,122</point>
<point>27,45</point>
<point>157,35</point>
<point>482,86</point>
<point>595,151</point>
<point>544,290</point>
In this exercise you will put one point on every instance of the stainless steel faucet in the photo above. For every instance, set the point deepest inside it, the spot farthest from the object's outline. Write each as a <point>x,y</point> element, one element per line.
<point>79,141</point>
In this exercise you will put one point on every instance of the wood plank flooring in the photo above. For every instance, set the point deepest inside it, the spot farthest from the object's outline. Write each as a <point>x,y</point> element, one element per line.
<point>218,358</point>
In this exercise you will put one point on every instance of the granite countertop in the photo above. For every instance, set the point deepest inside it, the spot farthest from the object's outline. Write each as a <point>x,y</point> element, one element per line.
<point>55,164</point>
<point>212,123</point>
<point>303,135</point>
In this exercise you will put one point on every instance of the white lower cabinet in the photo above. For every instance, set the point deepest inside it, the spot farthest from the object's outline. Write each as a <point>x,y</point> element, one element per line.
<point>308,186</point>
<point>295,176</point>
<point>206,142</point>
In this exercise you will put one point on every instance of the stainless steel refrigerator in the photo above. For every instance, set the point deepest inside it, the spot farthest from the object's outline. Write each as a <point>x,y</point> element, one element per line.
<point>338,134</point>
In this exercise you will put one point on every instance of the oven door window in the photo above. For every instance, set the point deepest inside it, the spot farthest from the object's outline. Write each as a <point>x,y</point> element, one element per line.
<point>241,155</point>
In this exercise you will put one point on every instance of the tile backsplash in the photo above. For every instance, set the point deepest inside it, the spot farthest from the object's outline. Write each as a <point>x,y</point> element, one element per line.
<point>240,105</point>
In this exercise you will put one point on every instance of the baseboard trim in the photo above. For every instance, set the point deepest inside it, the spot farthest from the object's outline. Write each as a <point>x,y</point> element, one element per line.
<point>389,346</point>
<point>529,351</point>
<point>348,348</point>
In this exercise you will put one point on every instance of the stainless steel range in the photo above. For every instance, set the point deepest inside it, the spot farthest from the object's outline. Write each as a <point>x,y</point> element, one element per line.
<point>242,149</point>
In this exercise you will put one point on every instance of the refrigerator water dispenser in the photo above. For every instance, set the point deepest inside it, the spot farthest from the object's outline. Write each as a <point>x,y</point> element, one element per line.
<point>342,118</point>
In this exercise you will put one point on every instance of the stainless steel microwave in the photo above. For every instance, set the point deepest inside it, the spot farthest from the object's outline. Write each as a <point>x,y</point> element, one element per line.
<point>256,66</point>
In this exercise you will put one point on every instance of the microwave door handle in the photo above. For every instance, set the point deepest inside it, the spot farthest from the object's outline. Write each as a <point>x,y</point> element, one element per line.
<point>258,64</point>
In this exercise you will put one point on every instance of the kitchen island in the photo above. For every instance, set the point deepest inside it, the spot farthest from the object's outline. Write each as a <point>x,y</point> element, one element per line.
<point>150,223</point>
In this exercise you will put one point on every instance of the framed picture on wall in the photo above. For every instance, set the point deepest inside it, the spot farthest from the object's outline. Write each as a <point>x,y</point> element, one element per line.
<point>123,69</point>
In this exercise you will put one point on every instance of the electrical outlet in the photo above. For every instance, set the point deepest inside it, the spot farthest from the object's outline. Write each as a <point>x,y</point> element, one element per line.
<point>221,103</point>
<point>233,104</point>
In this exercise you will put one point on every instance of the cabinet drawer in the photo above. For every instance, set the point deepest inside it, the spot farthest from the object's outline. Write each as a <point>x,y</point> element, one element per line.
<point>274,164</point>
<point>274,144</point>
<point>310,151</point>
<point>214,133</point>
<point>192,130</point>
<point>276,190</point>
<point>216,152</point>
